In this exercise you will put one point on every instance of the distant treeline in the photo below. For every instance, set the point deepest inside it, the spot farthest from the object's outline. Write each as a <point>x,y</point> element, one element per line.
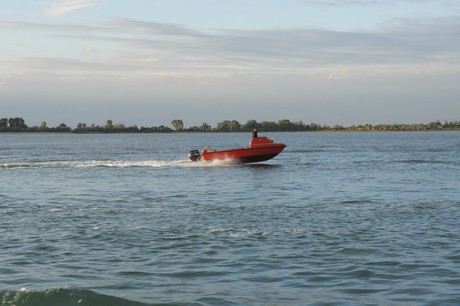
<point>177,125</point>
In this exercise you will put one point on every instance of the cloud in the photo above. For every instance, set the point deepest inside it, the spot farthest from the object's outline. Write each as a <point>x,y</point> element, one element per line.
<point>35,26</point>
<point>411,46</point>
<point>67,7</point>
<point>154,28</point>
<point>404,43</point>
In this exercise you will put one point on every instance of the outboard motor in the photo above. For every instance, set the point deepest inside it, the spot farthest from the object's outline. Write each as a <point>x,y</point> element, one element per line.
<point>194,155</point>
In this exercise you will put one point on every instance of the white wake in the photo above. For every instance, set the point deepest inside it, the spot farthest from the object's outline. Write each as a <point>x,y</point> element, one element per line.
<point>110,164</point>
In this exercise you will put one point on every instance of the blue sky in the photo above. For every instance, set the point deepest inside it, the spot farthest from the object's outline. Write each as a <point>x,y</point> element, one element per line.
<point>148,62</point>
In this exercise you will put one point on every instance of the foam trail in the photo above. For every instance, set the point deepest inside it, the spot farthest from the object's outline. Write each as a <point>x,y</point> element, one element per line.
<point>111,164</point>
<point>95,164</point>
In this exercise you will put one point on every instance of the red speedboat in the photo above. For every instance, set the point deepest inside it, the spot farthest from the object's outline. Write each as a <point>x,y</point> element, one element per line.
<point>260,149</point>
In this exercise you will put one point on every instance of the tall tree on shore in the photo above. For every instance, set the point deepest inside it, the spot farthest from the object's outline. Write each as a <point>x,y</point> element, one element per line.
<point>109,124</point>
<point>17,123</point>
<point>229,125</point>
<point>205,127</point>
<point>177,124</point>
<point>250,125</point>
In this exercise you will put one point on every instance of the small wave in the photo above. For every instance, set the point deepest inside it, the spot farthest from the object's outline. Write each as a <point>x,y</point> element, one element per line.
<point>60,297</point>
<point>237,233</point>
<point>296,232</point>
<point>424,161</point>
<point>248,233</point>
<point>307,150</point>
<point>217,230</point>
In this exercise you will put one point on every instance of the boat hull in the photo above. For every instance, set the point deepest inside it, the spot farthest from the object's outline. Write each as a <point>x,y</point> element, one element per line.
<point>260,149</point>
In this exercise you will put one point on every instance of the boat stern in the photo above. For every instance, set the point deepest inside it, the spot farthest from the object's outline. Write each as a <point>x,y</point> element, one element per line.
<point>194,155</point>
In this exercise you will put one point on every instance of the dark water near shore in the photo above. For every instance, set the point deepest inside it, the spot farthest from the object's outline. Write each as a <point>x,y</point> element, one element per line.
<point>335,219</point>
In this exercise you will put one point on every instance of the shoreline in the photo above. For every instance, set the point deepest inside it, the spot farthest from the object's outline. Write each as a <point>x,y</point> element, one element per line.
<point>222,132</point>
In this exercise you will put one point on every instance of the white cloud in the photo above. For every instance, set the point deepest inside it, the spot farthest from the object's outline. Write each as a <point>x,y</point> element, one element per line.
<point>67,7</point>
<point>405,47</point>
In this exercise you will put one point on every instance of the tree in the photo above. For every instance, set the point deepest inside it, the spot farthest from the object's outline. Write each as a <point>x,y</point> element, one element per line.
<point>17,123</point>
<point>205,127</point>
<point>337,127</point>
<point>268,126</point>
<point>3,123</point>
<point>177,124</point>
<point>229,125</point>
<point>285,125</point>
<point>43,125</point>
<point>315,127</point>
<point>109,124</point>
<point>62,128</point>
<point>250,125</point>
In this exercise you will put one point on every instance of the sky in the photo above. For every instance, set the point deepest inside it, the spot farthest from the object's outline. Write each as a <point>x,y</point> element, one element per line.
<point>147,62</point>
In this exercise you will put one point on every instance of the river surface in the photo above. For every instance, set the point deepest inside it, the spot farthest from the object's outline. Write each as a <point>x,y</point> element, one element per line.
<point>335,219</point>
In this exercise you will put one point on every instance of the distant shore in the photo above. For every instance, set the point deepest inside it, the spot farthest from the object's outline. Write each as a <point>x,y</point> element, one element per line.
<point>18,125</point>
